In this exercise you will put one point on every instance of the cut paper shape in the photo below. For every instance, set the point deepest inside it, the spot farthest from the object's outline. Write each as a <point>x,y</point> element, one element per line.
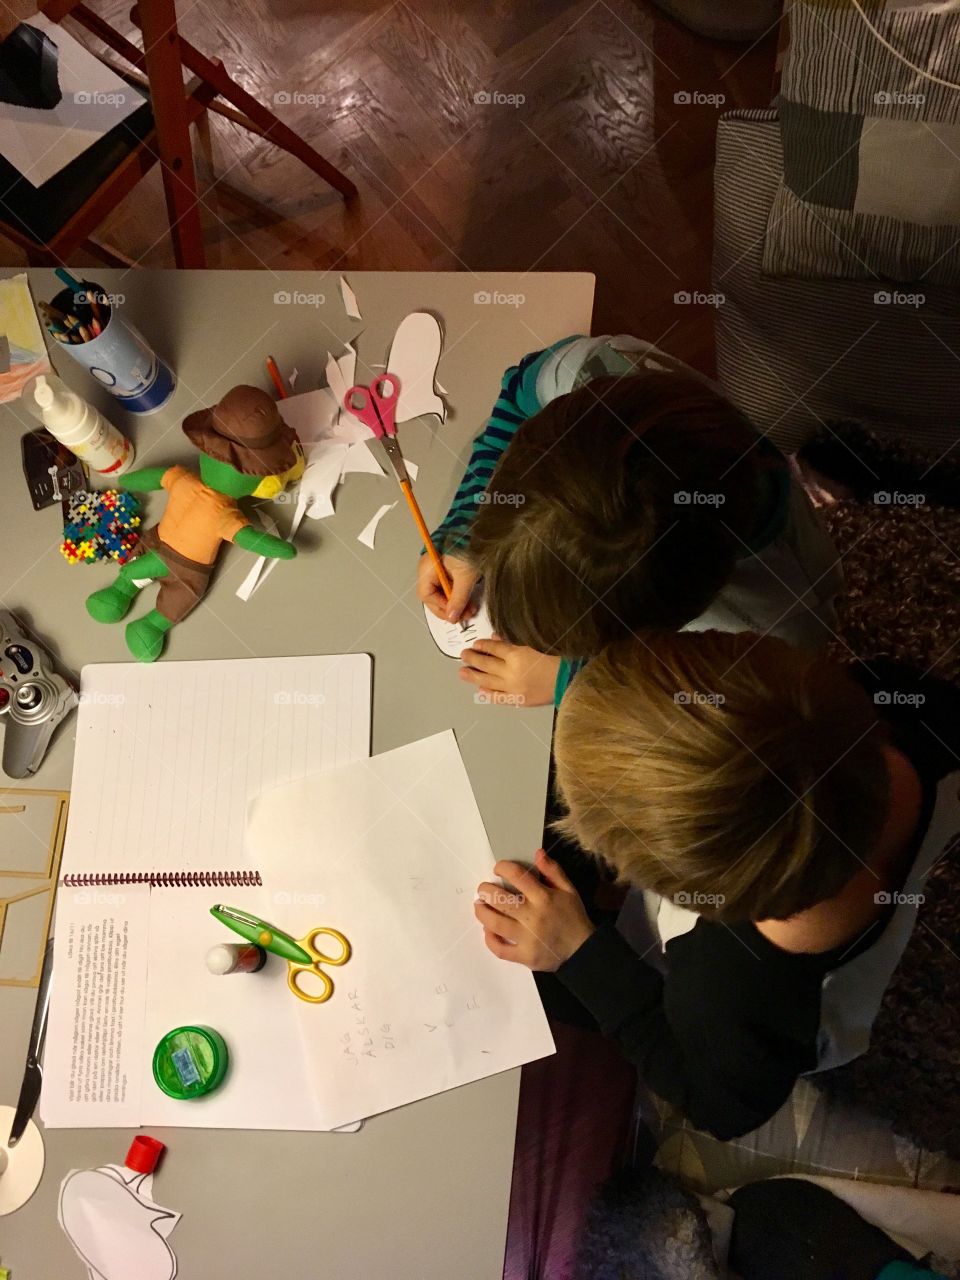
<point>25,353</point>
<point>21,1167</point>
<point>350,304</point>
<point>294,375</point>
<point>321,477</point>
<point>451,639</point>
<point>115,1226</point>
<point>360,459</point>
<point>250,582</point>
<point>414,356</point>
<point>341,373</point>
<point>295,523</point>
<point>369,531</point>
<point>312,415</point>
<point>39,143</point>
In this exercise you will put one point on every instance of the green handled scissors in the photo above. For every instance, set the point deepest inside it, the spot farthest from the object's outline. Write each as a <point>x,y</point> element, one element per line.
<point>301,954</point>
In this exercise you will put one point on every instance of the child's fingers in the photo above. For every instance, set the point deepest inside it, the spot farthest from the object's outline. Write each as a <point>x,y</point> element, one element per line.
<point>493,646</point>
<point>484,681</point>
<point>462,589</point>
<point>552,871</point>
<point>527,881</point>
<point>501,925</point>
<point>477,660</point>
<point>501,947</point>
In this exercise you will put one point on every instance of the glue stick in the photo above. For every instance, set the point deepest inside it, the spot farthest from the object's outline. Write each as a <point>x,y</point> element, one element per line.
<point>236,957</point>
<point>84,430</point>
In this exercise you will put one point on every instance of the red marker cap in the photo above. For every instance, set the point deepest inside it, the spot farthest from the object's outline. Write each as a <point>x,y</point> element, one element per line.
<point>143,1154</point>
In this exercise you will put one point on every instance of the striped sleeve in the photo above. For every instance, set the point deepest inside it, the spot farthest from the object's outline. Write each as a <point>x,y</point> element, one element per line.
<point>518,401</point>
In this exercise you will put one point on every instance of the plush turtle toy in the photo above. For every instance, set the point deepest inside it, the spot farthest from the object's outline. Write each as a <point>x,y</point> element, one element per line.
<point>246,450</point>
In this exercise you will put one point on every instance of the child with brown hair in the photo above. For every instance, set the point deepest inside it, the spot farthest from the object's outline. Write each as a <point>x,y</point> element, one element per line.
<point>615,489</point>
<point>780,815</point>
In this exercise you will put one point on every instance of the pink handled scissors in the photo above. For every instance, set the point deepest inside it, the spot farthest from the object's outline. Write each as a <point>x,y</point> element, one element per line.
<point>376,407</point>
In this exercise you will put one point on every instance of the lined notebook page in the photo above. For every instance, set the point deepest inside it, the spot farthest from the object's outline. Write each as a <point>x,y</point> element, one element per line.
<point>169,756</point>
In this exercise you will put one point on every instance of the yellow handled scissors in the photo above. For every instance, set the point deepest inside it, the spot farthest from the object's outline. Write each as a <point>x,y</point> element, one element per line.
<point>301,954</point>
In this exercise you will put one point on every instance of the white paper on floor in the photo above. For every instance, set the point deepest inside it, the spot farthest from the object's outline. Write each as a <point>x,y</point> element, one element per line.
<point>350,304</point>
<point>369,532</point>
<point>414,356</point>
<point>115,1226</point>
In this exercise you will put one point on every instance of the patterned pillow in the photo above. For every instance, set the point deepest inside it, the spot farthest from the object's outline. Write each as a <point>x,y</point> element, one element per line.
<point>871,186</point>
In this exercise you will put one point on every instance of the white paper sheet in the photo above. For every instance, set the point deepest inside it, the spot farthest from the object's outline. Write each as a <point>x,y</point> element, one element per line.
<point>321,477</point>
<point>414,356</point>
<point>39,143</point>
<point>341,373</point>
<point>368,533</point>
<point>350,304</point>
<point>251,581</point>
<point>169,757</point>
<point>115,1226</point>
<point>451,639</point>
<point>397,848</point>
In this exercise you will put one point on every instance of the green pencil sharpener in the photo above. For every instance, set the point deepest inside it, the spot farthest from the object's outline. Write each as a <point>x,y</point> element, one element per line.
<point>190,1062</point>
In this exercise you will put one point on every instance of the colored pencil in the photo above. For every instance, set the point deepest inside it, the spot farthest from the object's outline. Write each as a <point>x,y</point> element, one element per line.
<point>278,382</point>
<point>431,550</point>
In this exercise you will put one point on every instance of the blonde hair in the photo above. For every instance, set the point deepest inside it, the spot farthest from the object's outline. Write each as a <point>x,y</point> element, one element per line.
<point>733,773</point>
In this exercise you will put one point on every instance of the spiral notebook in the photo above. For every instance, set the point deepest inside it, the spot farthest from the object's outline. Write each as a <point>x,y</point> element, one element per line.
<point>168,759</point>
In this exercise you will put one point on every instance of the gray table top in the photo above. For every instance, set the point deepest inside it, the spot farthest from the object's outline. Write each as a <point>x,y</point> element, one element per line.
<point>423,1191</point>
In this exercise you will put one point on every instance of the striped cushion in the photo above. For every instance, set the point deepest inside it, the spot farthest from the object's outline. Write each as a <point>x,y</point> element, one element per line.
<point>793,354</point>
<point>871,148</point>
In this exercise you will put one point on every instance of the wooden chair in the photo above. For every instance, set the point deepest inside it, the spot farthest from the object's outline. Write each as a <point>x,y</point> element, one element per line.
<point>52,221</point>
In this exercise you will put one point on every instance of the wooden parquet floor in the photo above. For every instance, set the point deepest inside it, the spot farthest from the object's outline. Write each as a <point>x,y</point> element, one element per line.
<point>580,158</point>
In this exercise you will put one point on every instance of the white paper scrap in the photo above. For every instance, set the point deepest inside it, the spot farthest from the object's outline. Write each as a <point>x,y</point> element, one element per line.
<point>369,531</point>
<point>350,304</point>
<point>360,458</point>
<point>414,356</point>
<point>451,639</point>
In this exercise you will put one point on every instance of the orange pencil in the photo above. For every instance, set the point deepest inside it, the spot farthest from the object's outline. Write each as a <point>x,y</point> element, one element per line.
<point>278,382</point>
<point>431,550</point>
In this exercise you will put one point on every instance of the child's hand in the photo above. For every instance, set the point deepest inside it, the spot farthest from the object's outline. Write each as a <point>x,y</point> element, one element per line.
<point>541,924</point>
<point>509,673</point>
<point>464,578</point>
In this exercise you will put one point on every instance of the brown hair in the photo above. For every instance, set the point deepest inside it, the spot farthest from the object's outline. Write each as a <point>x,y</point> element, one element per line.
<point>734,773</point>
<point>581,538</point>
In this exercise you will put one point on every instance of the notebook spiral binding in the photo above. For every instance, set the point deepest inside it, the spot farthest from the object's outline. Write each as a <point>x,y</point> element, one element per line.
<point>166,879</point>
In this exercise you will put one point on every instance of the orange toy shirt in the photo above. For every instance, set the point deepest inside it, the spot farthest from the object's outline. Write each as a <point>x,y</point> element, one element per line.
<point>197,519</point>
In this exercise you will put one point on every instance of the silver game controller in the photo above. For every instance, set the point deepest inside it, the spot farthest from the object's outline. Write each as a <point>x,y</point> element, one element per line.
<point>33,699</point>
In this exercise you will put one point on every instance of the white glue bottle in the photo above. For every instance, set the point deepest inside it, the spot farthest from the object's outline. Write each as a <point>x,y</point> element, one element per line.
<point>84,430</point>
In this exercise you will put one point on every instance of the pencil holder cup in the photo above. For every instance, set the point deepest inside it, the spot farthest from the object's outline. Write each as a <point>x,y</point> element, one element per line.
<point>120,358</point>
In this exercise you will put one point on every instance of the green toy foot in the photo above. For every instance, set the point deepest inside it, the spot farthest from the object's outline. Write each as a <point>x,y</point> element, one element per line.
<point>110,604</point>
<point>146,637</point>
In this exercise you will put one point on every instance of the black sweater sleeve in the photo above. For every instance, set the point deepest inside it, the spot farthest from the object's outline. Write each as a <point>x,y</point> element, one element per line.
<point>723,1037</point>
